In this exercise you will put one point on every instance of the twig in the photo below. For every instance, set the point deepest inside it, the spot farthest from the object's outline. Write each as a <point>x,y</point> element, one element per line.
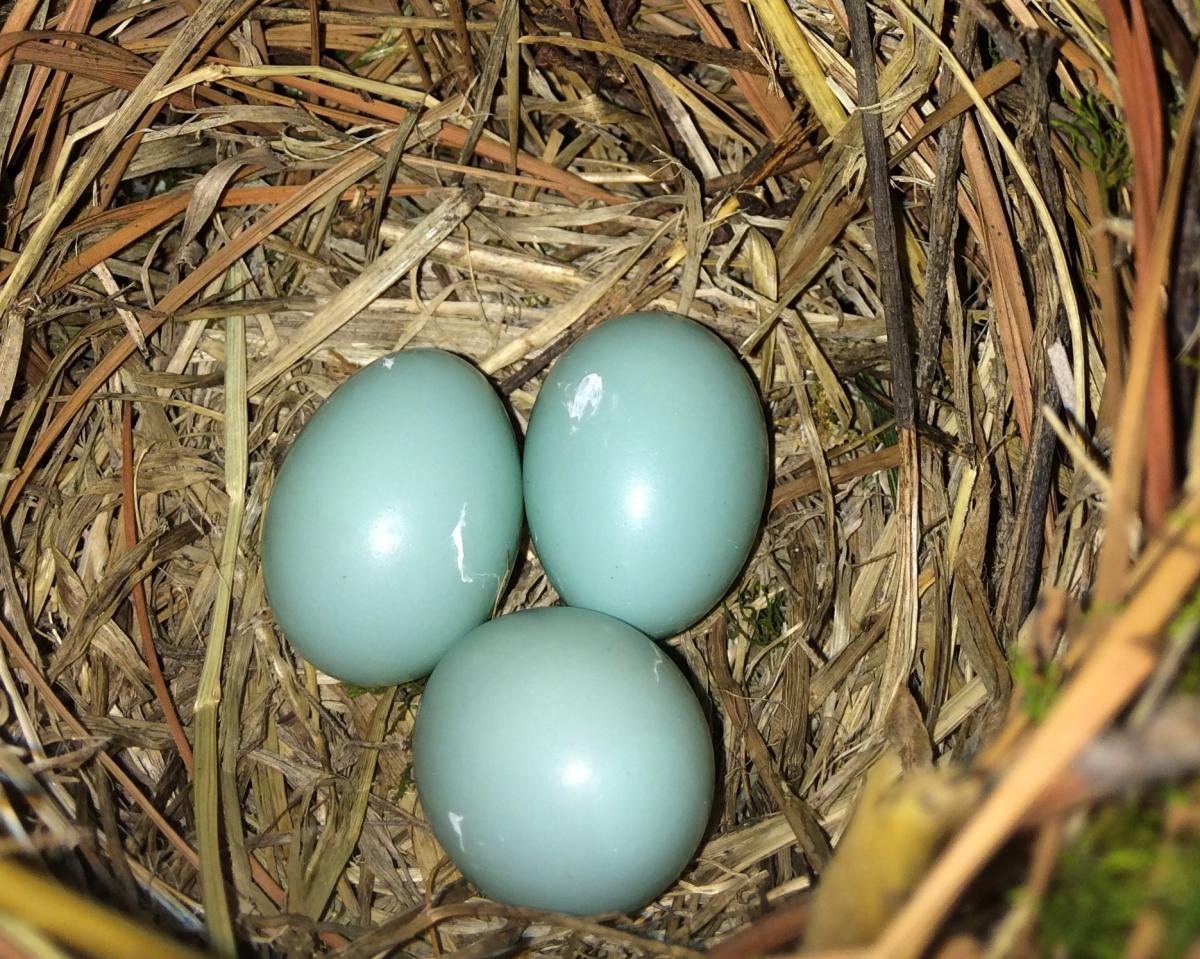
<point>902,637</point>
<point>943,216</point>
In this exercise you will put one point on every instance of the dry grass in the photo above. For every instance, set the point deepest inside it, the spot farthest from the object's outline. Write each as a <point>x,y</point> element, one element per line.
<point>984,441</point>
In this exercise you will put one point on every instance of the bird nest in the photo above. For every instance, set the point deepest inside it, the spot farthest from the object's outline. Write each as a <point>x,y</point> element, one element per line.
<point>937,234</point>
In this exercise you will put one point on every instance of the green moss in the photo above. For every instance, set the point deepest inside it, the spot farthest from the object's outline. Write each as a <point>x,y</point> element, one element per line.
<point>1182,632</point>
<point>1117,866</point>
<point>405,783</point>
<point>869,387</point>
<point>1038,685</point>
<point>1188,680</point>
<point>763,611</point>
<point>1097,138</point>
<point>1178,896</point>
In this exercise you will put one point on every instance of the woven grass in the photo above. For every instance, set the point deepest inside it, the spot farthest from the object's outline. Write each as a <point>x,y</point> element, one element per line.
<point>939,233</point>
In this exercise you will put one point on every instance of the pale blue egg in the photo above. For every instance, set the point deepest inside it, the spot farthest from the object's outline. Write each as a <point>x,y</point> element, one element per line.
<point>646,467</point>
<point>394,520</point>
<point>564,762</point>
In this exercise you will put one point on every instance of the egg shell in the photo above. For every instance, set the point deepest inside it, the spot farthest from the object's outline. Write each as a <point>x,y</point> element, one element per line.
<point>563,762</point>
<point>394,520</point>
<point>646,465</point>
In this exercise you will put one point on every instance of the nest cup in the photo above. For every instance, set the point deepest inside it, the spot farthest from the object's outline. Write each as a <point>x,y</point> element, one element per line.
<point>216,213</point>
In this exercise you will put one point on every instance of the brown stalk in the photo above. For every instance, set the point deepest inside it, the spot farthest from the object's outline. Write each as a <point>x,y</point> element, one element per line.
<point>1136,71</point>
<point>1146,325</point>
<point>138,593</point>
<point>1013,320</point>
<point>874,462</point>
<point>771,109</point>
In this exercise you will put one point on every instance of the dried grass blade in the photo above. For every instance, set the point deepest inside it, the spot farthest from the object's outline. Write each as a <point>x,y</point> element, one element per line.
<point>408,926</point>
<point>17,653</point>
<point>567,183</point>
<point>45,146</point>
<point>784,28</point>
<point>102,599</point>
<point>771,108</point>
<point>943,218</point>
<point>12,340</point>
<point>988,83</point>
<point>18,19</point>
<point>14,87</point>
<point>799,814</point>
<point>608,30</point>
<point>562,317</point>
<point>1107,291</point>
<point>1138,82</point>
<point>485,93</point>
<point>208,695</point>
<point>369,285</point>
<point>339,838</point>
<point>229,795</point>
<point>216,72</point>
<point>865,465</point>
<point>512,92</point>
<point>114,243</point>
<point>1013,320</point>
<point>113,289</point>
<point>155,214</point>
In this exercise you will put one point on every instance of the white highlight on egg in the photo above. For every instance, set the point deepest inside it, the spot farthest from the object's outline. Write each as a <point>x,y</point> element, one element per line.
<point>588,395</point>
<point>388,362</point>
<point>637,503</point>
<point>384,536</point>
<point>456,537</point>
<point>456,823</point>
<point>576,773</point>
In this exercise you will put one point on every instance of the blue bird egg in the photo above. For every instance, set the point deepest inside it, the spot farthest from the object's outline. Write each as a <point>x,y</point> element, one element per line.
<point>645,467</point>
<point>393,523</point>
<point>563,762</point>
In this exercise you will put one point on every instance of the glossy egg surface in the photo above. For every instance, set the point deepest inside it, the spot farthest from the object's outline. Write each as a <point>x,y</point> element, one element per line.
<point>645,469</point>
<point>394,520</point>
<point>563,762</point>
